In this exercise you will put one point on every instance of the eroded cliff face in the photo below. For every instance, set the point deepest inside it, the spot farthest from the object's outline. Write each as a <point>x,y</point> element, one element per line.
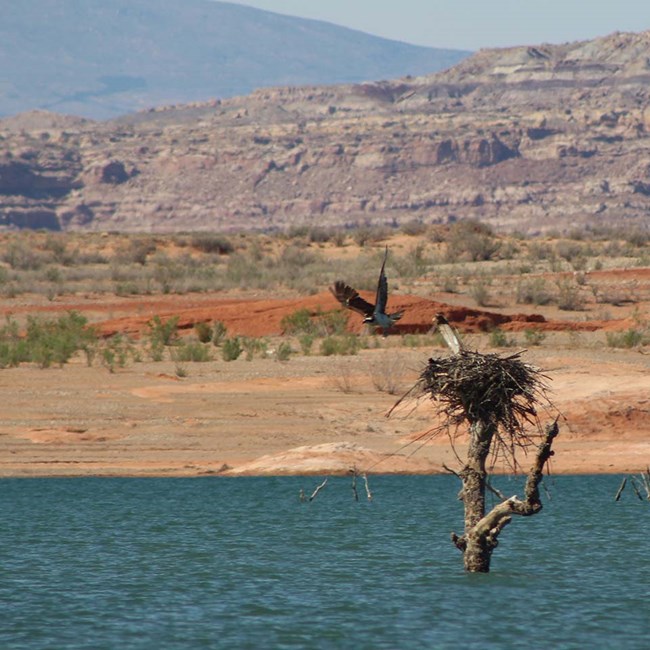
<point>528,139</point>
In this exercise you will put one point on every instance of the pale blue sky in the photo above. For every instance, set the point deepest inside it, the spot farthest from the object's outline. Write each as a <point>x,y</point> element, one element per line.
<point>472,24</point>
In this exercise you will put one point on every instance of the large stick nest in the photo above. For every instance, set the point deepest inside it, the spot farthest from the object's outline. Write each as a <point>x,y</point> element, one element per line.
<point>471,386</point>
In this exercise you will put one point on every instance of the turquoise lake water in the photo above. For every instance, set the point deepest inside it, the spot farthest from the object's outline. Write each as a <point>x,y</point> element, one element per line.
<point>241,563</point>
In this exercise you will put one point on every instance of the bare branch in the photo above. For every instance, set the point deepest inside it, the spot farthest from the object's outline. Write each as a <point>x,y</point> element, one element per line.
<point>354,485</point>
<point>451,471</point>
<point>635,487</point>
<point>480,539</point>
<point>544,452</point>
<point>459,542</point>
<point>368,492</point>
<point>495,491</point>
<point>646,482</point>
<point>317,490</point>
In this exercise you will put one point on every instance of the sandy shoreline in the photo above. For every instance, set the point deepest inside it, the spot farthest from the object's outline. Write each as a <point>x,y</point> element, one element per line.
<point>263,417</point>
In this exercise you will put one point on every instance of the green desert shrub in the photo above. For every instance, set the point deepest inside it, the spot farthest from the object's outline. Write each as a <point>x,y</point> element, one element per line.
<point>447,283</point>
<point>191,351</point>
<point>135,252</point>
<point>630,338</point>
<point>231,348</point>
<point>540,251</point>
<point>370,234</point>
<point>499,339</point>
<point>569,250</point>
<point>297,322</point>
<point>327,323</point>
<point>55,341</point>
<point>421,340</point>
<point>331,322</point>
<point>473,241</point>
<point>283,351</point>
<point>20,255</point>
<point>306,342</point>
<point>570,297</point>
<point>339,345</point>
<point>115,352</point>
<point>219,331</point>
<point>211,243</point>
<point>413,228</point>
<point>163,332</point>
<point>12,353</point>
<point>534,292</point>
<point>321,234</point>
<point>414,263</point>
<point>13,348</point>
<point>203,331</point>
<point>252,346</point>
<point>534,336</point>
<point>480,292</point>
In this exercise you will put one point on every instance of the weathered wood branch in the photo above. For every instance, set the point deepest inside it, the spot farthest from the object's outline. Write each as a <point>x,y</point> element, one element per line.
<point>536,474</point>
<point>495,491</point>
<point>636,489</point>
<point>317,490</point>
<point>620,489</point>
<point>481,537</point>
<point>368,492</point>
<point>354,485</point>
<point>645,476</point>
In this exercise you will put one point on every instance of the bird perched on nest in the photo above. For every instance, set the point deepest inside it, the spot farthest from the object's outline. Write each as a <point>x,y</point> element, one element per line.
<point>373,314</point>
<point>448,334</point>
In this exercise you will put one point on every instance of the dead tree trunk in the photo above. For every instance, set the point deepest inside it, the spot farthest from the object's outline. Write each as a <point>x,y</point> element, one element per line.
<point>498,398</point>
<point>474,478</point>
<point>482,531</point>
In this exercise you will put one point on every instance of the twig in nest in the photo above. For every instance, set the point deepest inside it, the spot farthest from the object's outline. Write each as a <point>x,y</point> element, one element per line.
<point>472,387</point>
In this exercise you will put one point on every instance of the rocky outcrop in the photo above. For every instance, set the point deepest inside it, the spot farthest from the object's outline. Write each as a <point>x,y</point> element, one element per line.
<point>34,219</point>
<point>27,178</point>
<point>528,139</point>
<point>111,172</point>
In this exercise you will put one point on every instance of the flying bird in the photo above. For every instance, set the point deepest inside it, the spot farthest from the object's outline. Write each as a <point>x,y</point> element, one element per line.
<point>373,314</point>
<point>448,334</point>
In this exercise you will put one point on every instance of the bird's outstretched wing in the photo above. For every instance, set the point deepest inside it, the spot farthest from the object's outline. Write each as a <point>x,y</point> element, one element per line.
<point>351,299</point>
<point>448,334</point>
<point>382,288</point>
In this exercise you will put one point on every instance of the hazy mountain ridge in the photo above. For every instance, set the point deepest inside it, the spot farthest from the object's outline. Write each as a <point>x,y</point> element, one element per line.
<point>102,58</point>
<point>528,138</point>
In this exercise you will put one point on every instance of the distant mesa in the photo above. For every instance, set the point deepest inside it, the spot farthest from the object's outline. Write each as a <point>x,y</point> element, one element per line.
<point>102,60</point>
<point>532,139</point>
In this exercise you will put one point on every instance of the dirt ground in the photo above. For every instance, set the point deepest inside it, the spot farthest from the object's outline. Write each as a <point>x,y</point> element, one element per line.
<point>308,415</point>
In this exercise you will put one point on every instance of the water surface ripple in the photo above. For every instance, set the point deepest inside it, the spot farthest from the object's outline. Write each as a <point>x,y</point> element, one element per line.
<point>240,563</point>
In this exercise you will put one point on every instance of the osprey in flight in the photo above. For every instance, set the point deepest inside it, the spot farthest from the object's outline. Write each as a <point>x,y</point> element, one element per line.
<point>373,314</point>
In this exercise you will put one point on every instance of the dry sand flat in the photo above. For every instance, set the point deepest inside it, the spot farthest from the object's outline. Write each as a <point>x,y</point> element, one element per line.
<point>266,417</point>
